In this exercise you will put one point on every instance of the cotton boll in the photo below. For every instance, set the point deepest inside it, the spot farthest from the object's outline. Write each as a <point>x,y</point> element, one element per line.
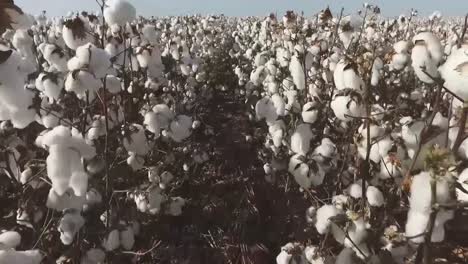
<point>300,140</point>
<point>324,213</point>
<point>94,256</point>
<point>127,238</point>
<point>463,180</point>
<point>155,200</point>
<point>279,104</point>
<point>399,61</point>
<point>66,201</point>
<point>75,34</point>
<point>265,108</point>
<point>136,142</point>
<point>180,128</point>
<point>376,68</point>
<point>427,53</point>
<point>401,46</point>
<point>21,257</point>
<point>455,72</point>
<point>23,43</point>
<point>311,254</point>
<point>9,239</point>
<point>119,12</point>
<point>355,190</point>
<point>112,241</point>
<point>416,224</point>
<point>300,171</point>
<point>175,206</point>
<point>390,167</point>
<point>80,81</point>
<point>346,108</point>
<point>338,75</point>
<point>69,225</point>
<point>55,56</point>
<point>374,196</point>
<point>420,207</point>
<point>135,162</point>
<point>297,73</point>
<point>310,112</point>
<point>432,43</point>
<point>59,171</point>
<point>283,258</point>
<point>276,131</point>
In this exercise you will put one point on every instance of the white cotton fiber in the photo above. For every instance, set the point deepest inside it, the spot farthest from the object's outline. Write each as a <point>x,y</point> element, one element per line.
<point>119,12</point>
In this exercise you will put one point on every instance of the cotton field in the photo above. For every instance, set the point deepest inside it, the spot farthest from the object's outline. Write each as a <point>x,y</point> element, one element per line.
<point>339,137</point>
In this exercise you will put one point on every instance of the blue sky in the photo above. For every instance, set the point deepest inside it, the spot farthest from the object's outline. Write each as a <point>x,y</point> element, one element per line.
<point>249,7</point>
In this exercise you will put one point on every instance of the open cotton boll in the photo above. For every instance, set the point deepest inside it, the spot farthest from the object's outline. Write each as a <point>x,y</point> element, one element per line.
<point>75,32</point>
<point>374,196</point>
<point>376,71</point>
<point>23,42</point>
<point>119,12</point>
<point>90,57</point>
<point>9,239</point>
<point>175,206</point>
<point>312,255</point>
<point>455,72</point>
<point>346,108</point>
<point>113,84</point>
<point>112,241</point>
<point>297,73</point>
<point>427,53</point>
<point>379,149</point>
<point>310,112</point>
<point>324,213</point>
<point>346,76</point>
<point>390,167</point>
<point>420,207</point>
<point>300,171</point>
<point>355,190</point>
<point>326,149</point>
<point>55,56</point>
<point>94,256</point>
<point>401,46</point>
<point>136,142</point>
<point>135,161</point>
<point>300,140</point>
<point>411,132</point>
<point>279,104</point>
<point>21,257</point>
<point>265,108</point>
<point>432,43</point>
<point>155,200</point>
<point>276,130</point>
<point>180,128</point>
<point>69,225</point>
<point>66,201</point>
<point>127,238</point>
<point>399,61</point>
<point>80,82</point>
<point>463,181</point>
<point>64,165</point>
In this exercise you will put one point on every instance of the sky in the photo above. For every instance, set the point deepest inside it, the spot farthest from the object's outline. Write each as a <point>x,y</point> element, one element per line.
<point>249,7</point>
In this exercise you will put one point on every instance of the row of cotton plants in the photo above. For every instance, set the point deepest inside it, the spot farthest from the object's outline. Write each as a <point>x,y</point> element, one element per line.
<point>102,124</point>
<point>366,114</point>
<point>90,102</point>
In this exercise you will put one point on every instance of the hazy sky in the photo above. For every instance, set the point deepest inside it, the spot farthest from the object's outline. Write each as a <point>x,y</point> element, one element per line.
<point>249,7</point>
